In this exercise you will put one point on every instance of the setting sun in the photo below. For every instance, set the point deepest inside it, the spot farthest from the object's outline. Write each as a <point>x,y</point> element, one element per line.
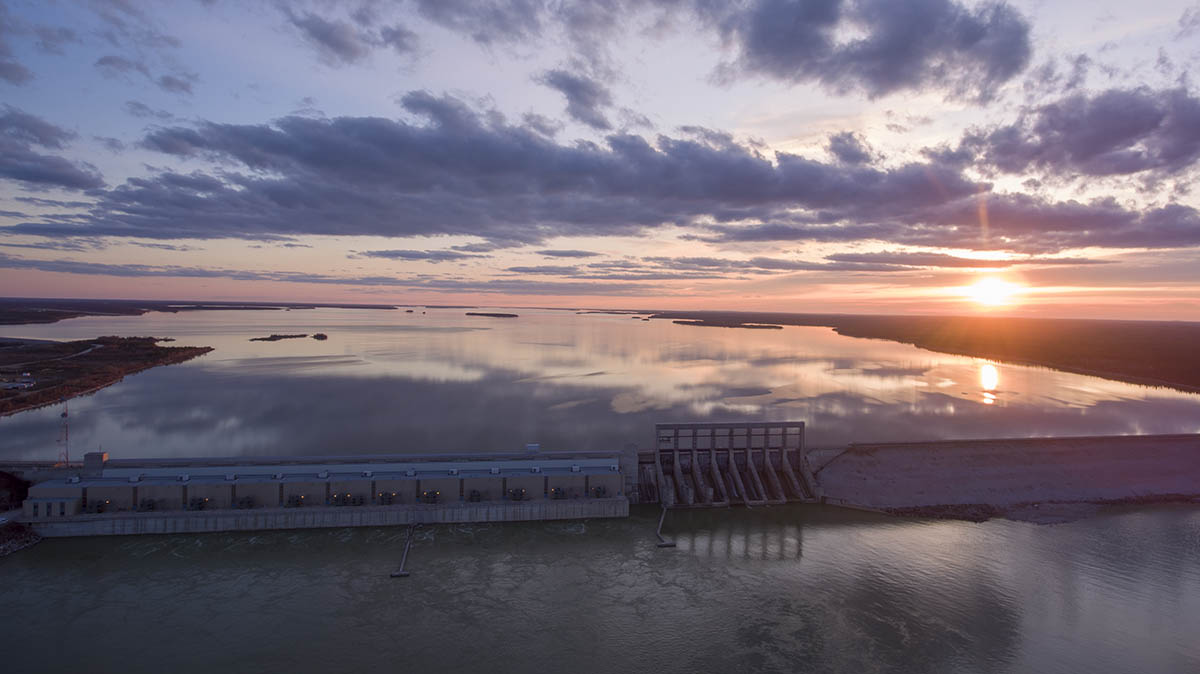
<point>992,292</point>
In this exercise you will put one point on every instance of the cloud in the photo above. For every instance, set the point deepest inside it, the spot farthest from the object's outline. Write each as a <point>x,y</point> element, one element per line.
<point>542,124</point>
<point>139,109</point>
<point>11,70</point>
<point>24,128</point>
<point>173,84</point>
<point>457,171</point>
<point>1114,132</point>
<point>567,253</point>
<point>544,269</point>
<point>1189,22</point>
<point>111,144</point>
<point>112,64</point>
<point>400,39</point>
<point>423,255</point>
<point>52,38</point>
<point>850,148</point>
<point>508,286</point>
<point>486,21</point>
<point>20,133</point>
<point>964,52</point>
<point>586,98</point>
<point>338,42</point>
<point>943,260</point>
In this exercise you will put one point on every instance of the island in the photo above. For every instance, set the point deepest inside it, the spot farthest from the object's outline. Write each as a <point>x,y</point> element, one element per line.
<point>320,336</point>
<point>276,338</point>
<point>491,314</point>
<point>730,324</point>
<point>36,373</point>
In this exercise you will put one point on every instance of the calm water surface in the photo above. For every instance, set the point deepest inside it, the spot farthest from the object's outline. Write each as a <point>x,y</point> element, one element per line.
<point>389,381</point>
<point>783,589</point>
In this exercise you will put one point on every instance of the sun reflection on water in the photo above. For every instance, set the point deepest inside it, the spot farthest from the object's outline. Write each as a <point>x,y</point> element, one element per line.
<point>989,379</point>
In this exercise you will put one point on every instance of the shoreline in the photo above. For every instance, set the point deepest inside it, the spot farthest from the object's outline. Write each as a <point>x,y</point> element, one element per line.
<point>84,376</point>
<point>1145,353</point>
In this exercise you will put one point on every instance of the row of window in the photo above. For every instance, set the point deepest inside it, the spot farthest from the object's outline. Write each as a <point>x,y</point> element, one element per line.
<point>62,509</point>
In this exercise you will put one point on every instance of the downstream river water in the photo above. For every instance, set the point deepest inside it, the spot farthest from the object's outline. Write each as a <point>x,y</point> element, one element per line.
<point>779,589</point>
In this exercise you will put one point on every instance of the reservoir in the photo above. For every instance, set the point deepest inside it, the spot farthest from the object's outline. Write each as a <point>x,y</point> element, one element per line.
<point>775,588</point>
<point>391,382</point>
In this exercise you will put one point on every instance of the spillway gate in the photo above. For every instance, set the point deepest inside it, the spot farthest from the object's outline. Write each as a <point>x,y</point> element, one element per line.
<point>702,465</point>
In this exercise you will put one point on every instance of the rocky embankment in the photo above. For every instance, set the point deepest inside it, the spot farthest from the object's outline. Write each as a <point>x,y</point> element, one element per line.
<point>14,537</point>
<point>1034,479</point>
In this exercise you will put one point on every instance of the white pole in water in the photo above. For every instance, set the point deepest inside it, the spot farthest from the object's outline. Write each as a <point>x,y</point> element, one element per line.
<point>65,456</point>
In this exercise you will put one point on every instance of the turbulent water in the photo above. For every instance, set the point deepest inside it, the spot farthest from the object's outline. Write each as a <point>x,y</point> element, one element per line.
<point>778,589</point>
<point>390,381</point>
<point>783,589</point>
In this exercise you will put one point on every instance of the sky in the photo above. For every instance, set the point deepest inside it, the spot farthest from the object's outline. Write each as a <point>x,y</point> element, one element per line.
<point>855,156</point>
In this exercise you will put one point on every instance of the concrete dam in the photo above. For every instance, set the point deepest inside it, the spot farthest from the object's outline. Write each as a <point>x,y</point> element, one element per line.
<point>692,465</point>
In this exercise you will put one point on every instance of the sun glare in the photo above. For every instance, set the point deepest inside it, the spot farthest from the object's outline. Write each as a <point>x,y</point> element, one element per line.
<point>992,292</point>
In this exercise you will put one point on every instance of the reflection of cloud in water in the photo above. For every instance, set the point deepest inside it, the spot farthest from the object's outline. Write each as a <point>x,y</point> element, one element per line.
<point>570,383</point>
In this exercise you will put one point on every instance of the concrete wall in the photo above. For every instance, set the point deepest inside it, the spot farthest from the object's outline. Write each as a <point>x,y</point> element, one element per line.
<point>534,485</point>
<point>50,508</point>
<point>114,497</point>
<point>312,491</point>
<point>405,489</point>
<point>572,484</point>
<point>308,518</point>
<point>165,496</point>
<point>265,494</point>
<point>490,488</point>
<point>360,488</point>
<point>449,487</point>
<point>217,493</point>
<point>48,491</point>
<point>611,482</point>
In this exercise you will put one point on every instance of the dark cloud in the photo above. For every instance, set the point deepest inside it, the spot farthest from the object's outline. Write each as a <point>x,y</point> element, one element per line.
<point>462,172</point>
<point>917,259</point>
<point>53,203</point>
<point>850,148</point>
<point>175,85</point>
<point>112,64</point>
<point>508,286</point>
<point>52,38</point>
<point>542,124</point>
<point>400,39</point>
<point>486,21</point>
<point>11,70</point>
<point>20,133</point>
<point>1189,22</point>
<point>966,52</point>
<point>586,98</point>
<point>766,265</point>
<point>423,255</point>
<point>57,244</point>
<point>127,25</point>
<point>1115,132</point>
<point>22,127</point>
<point>139,109</point>
<point>337,41</point>
<point>111,144</point>
<point>567,253</point>
<point>544,269</point>
<point>485,246</point>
